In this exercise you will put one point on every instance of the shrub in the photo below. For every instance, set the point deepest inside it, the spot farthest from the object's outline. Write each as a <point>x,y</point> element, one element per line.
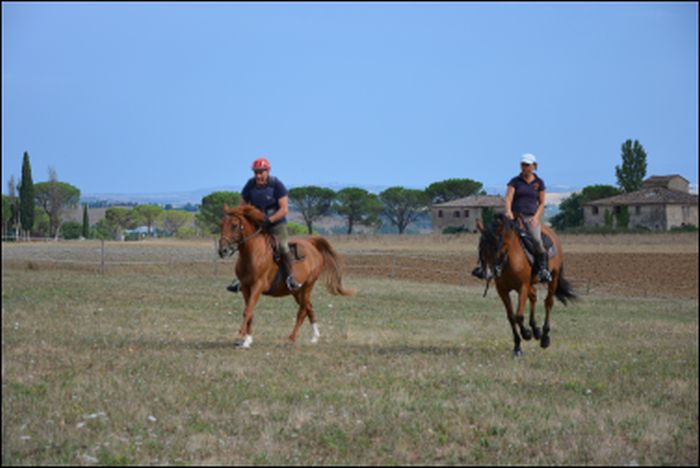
<point>72,230</point>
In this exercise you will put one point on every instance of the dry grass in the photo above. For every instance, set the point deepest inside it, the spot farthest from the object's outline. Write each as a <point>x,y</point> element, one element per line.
<point>137,367</point>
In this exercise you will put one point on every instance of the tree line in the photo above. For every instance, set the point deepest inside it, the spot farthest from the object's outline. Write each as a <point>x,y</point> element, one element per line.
<point>38,209</point>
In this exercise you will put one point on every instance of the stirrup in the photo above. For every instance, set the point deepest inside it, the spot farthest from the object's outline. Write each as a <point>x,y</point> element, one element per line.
<point>292,284</point>
<point>234,287</point>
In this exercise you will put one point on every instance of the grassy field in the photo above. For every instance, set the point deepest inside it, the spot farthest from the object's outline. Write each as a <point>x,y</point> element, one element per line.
<point>139,368</point>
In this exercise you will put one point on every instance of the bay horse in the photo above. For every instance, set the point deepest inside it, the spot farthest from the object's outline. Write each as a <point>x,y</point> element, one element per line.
<point>242,231</point>
<point>503,258</point>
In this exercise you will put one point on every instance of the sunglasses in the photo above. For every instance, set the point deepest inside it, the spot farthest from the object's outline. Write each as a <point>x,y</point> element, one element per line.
<point>260,171</point>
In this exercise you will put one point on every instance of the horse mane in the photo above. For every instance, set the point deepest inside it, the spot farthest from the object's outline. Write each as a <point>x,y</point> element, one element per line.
<point>249,212</point>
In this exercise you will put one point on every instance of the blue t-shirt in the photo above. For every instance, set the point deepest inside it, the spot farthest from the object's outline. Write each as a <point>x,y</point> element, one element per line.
<point>266,199</point>
<point>526,199</point>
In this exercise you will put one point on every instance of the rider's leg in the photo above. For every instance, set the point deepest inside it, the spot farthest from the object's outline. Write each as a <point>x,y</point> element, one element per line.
<point>280,233</point>
<point>542,257</point>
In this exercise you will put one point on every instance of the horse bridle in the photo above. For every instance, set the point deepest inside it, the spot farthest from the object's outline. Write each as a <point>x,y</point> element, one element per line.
<point>239,243</point>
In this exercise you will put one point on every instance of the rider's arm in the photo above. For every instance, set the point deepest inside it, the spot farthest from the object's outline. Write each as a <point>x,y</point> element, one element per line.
<point>282,212</point>
<point>510,193</point>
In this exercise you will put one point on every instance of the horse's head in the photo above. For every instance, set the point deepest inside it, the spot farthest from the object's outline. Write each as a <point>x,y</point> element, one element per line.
<point>237,225</point>
<point>232,232</point>
<point>492,246</point>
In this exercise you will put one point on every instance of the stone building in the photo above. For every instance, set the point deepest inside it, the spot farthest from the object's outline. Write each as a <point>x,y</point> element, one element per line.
<point>464,212</point>
<point>663,202</point>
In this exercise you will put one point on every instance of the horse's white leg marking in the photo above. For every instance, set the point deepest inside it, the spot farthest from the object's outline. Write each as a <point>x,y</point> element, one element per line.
<point>314,333</point>
<point>247,341</point>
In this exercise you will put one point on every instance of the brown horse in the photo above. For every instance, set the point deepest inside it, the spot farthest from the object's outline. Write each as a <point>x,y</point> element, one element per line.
<point>242,231</point>
<point>502,256</point>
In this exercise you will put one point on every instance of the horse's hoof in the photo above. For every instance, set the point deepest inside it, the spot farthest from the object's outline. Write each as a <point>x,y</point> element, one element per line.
<point>517,353</point>
<point>537,332</point>
<point>526,334</point>
<point>544,342</point>
<point>244,343</point>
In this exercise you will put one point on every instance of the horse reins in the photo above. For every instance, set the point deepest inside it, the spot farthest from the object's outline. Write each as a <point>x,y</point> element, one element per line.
<point>240,243</point>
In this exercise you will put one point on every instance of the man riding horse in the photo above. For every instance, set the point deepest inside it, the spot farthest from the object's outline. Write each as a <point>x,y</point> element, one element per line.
<point>525,199</point>
<point>269,195</point>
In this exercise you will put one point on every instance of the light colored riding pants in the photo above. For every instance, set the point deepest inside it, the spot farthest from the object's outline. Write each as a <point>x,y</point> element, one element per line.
<point>536,233</point>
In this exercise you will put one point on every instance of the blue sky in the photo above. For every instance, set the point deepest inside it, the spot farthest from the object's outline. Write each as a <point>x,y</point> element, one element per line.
<point>158,97</point>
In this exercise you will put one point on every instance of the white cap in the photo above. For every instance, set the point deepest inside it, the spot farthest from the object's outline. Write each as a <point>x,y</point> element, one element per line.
<point>528,158</point>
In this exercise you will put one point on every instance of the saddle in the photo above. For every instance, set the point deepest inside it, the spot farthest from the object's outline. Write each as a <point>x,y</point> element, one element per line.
<point>277,253</point>
<point>528,244</point>
<point>277,257</point>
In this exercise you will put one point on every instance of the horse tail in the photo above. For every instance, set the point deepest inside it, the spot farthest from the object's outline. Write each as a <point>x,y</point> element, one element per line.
<point>564,292</point>
<point>332,267</point>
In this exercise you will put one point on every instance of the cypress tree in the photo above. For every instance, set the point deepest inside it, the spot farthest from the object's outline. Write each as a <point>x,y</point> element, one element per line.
<point>26,196</point>
<point>86,222</point>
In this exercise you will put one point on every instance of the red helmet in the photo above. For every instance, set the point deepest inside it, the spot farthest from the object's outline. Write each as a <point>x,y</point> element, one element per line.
<point>261,164</point>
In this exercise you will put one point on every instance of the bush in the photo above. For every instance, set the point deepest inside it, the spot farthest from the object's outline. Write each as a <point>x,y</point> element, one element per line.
<point>296,229</point>
<point>454,230</point>
<point>685,228</point>
<point>72,230</point>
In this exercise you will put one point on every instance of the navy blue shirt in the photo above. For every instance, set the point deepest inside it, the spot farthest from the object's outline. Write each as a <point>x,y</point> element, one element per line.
<point>526,199</point>
<point>266,199</point>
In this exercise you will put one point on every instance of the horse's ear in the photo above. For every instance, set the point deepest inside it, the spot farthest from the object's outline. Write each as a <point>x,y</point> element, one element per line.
<point>479,225</point>
<point>226,208</point>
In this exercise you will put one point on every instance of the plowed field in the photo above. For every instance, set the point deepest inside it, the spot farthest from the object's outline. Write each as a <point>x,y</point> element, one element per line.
<point>633,274</point>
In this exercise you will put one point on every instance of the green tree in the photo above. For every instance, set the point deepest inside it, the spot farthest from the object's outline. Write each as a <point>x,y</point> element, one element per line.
<point>173,220</point>
<point>623,217</point>
<point>119,219</point>
<point>312,202</point>
<point>6,214</point>
<point>86,223</point>
<point>13,223</point>
<point>102,230</point>
<point>26,196</point>
<point>53,197</point>
<point>452,189</point>
<point>357,206</point>
<point>212,210</point>
<point>149,214</point>
<point>71,229</point>
<point>402,206</point>
<point>634,166</point>
<point>571,209</point>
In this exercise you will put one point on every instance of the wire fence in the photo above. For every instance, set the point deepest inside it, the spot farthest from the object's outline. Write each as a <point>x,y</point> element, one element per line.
<point>199,257</point>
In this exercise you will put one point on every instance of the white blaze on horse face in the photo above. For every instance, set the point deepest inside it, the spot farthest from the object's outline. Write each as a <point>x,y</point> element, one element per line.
<point>314,333</point>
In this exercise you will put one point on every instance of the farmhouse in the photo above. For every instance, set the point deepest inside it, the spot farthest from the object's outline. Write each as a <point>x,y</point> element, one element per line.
<point>663,202</point>
<point>464,212</point>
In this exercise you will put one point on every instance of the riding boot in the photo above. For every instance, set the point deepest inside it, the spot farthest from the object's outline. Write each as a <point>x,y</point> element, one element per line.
<point>479,272</point>
<point>235,286</point>
<point>292,284</point>
<point>543,266</point>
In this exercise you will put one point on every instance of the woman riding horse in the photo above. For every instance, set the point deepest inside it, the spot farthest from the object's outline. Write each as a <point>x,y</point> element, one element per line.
<point>525,199</point>
<point>501,255</point>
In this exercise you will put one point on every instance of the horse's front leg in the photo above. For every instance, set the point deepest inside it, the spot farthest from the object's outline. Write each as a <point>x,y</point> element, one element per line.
<point>245,333</point>
<point>523,295</point>
<point>536,331</point>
